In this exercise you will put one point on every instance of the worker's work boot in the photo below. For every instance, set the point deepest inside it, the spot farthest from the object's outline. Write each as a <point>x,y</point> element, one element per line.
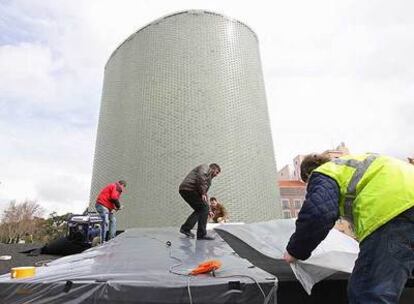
<point>187,233</point>
<point>206,237</point>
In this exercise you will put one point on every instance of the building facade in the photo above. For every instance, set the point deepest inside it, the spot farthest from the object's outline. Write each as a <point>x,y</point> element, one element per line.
<point>293,190</point>
<point>184,90</point>
<point>284,173</point>
<point>292,195</point>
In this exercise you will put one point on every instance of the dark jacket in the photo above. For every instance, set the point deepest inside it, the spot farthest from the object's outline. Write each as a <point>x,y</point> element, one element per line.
<point>198,180</point>
<point>317,216</point>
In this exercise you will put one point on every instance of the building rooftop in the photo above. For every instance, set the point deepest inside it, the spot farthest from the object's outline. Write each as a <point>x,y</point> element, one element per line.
<point>154,263</point>
<point>18,258</point>
<point>291,183</point>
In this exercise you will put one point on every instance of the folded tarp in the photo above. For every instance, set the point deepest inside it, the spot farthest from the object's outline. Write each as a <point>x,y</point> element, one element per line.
<point>337,253</point>
<point>61,246</point>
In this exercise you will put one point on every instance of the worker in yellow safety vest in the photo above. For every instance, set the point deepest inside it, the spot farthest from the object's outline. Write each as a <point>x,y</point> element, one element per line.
<point>376,194</point>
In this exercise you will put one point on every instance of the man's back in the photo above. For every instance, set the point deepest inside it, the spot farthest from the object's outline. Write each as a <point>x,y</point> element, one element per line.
<point>378,188</point>
<point>197,180</point>
<point>108,195</point>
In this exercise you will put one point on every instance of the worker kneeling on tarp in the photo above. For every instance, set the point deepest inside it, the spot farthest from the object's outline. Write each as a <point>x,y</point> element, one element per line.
<point>218,213</point>
<point>374,192</point>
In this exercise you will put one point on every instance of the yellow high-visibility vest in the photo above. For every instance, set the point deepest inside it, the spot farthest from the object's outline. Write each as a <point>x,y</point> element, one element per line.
<point>373,189</point>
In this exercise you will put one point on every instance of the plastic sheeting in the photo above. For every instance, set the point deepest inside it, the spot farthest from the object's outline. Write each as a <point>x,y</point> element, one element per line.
<point>144,266</point>
<point>337,253</point>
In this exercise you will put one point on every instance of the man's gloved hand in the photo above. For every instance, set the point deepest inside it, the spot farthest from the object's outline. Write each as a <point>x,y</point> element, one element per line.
<point>117,209</point>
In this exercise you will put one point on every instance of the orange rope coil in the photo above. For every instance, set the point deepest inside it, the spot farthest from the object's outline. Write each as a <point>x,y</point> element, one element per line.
<point>206,267</point>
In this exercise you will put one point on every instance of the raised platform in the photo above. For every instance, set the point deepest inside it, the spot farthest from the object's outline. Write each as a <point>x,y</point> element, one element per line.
<point>151,266</point>
<point>144,266</point>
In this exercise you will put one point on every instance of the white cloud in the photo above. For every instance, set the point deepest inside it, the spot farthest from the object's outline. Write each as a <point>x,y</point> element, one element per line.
<point>49,164</point>
<point>26,73</point>
<point>347,82</point>
<point>334,71</point>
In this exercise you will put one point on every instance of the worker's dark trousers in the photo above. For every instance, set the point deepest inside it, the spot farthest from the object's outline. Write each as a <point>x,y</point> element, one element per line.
<point>199,215</point>
<point>385,261</point>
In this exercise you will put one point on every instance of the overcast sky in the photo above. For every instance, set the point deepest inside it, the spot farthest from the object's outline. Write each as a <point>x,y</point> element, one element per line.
<point>334,71</point>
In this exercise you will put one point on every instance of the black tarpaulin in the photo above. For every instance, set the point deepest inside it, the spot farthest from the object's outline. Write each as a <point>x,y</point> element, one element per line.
<point>144,266</point>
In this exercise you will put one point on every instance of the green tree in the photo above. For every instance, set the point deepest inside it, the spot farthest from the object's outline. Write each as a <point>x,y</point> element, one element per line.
<point>54,226</point>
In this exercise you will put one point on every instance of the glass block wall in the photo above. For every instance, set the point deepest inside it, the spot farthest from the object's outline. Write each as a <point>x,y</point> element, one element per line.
<point>186,89</point>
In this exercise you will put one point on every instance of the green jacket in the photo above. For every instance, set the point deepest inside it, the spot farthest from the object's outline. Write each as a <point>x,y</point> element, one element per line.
<point>373,189</point>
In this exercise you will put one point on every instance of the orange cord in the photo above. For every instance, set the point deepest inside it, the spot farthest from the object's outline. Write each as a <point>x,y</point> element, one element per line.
<point>206,267</point>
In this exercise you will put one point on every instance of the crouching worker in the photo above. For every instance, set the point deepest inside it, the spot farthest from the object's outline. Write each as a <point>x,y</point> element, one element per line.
<point>218,212</point>
<point>107,203</point>
<point>376,194</point>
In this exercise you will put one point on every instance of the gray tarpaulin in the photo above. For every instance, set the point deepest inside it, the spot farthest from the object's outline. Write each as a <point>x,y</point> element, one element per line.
<point>144,266</point>
<point>337,253</point>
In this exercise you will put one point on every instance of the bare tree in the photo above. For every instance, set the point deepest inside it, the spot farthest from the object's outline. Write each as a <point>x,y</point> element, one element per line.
<point>19,221</point>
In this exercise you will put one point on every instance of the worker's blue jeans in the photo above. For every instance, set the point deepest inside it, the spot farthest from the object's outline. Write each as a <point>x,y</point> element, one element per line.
<point>108,222</point>
<point>385,261</point>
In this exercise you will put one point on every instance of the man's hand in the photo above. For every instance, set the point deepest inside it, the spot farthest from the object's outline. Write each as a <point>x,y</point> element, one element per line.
<point>120,207</point>
<point>288,258</point>
<point>204,198</point>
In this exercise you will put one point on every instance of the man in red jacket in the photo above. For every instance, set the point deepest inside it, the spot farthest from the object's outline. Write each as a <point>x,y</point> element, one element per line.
<point>107,203</point>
